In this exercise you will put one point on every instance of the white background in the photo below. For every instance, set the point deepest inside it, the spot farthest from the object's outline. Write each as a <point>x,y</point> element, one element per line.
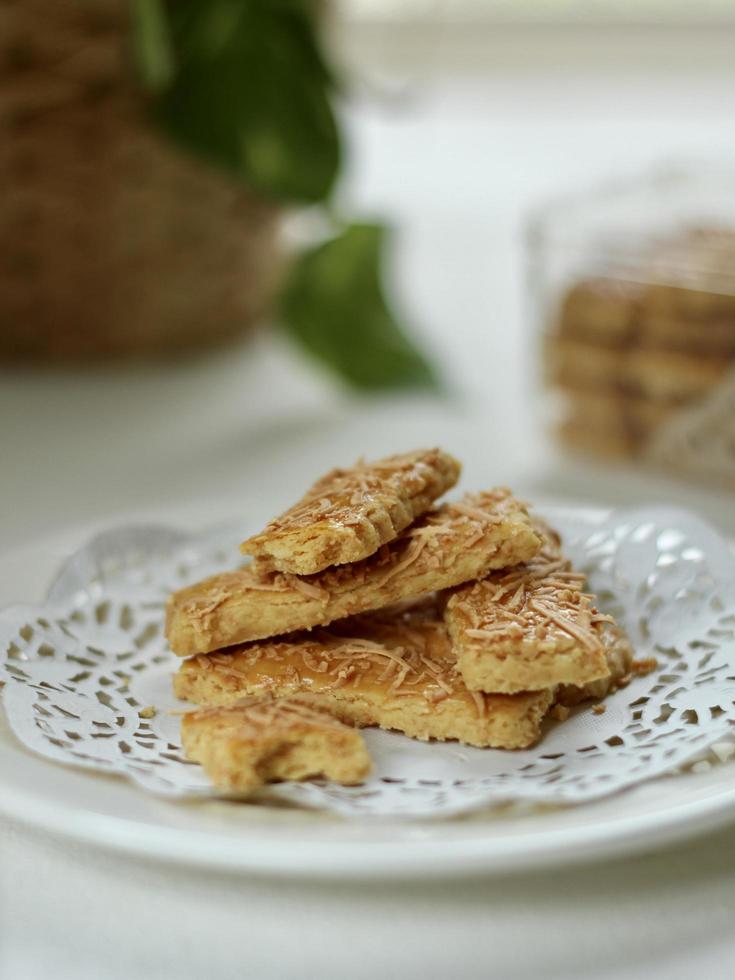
<point>455,136</point>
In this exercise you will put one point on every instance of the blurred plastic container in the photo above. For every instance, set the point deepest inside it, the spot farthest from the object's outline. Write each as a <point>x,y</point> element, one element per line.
<point>634,292</point>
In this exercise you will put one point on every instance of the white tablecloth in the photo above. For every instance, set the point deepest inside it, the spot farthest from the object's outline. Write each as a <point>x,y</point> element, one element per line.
<point>71,913</point>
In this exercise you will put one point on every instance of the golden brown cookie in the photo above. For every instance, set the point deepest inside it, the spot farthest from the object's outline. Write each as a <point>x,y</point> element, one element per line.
<point>393,669</point>
<point>452,544</point>
<point>528,628</point>
<point>619,655</point>
<point>667,375</point>
<point>673,375</point>
<point>612,423</point>
<point>612,443</point>
<point>349,513</point>
<point>261,740</point>
<point>601,309</point>
<point>713,336</point>
<point>583,365</point>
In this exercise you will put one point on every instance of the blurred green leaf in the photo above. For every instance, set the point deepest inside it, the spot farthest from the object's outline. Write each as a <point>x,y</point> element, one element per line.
<point>333,304</point>
<point>250,91</point>
<point>244,85</point>
<point>152,43</point>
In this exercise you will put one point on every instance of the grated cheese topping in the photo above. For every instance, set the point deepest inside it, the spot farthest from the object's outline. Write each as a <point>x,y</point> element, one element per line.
<point>366,492</point>
<point>403,652</point>
<point>436,540</point>
<point>535,602</point>
<point>252,717</point>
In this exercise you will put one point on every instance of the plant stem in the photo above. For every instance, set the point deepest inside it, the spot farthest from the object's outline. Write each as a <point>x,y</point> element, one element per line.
<point>152,43</point>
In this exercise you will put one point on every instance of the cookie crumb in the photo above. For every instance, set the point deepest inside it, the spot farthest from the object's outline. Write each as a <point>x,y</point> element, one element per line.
<point>644,666</point>
<point>561,712</point>
<point>599,709</point>
<point>149,712</point>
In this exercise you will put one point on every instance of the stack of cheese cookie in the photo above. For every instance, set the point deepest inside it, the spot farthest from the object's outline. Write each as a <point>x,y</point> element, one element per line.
<point>367,603</point>
<point>629,351</point>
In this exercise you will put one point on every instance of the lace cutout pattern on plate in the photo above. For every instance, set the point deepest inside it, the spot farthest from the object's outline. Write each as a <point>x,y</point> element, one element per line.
<point>80,668</point>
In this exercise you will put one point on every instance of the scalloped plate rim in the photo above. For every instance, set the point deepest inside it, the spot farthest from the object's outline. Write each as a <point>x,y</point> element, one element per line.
<point>289,854</point>
<point>496,854</point>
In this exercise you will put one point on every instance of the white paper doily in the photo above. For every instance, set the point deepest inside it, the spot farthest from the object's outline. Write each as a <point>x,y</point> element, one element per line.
<point>79,669</point>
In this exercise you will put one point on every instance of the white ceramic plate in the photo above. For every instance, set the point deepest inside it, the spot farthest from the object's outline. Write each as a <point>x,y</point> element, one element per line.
<point>275,841</point>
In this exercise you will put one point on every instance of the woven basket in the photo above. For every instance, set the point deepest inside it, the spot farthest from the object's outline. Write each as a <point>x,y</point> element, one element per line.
<point>112,241</point>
